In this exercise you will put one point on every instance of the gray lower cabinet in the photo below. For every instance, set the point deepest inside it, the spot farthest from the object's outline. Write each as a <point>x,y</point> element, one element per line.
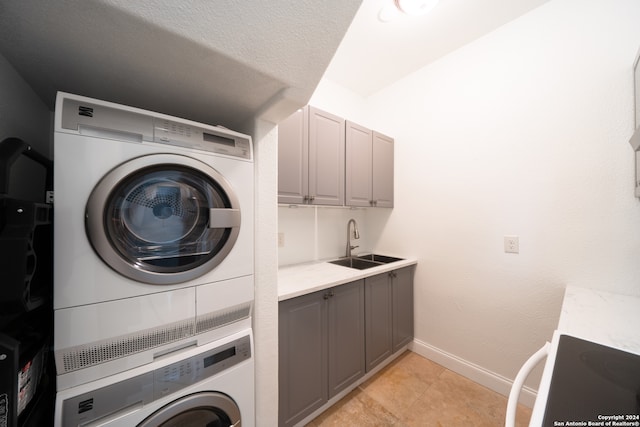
<point>378,319</point>
<point>330,338</point>
<point>388,314</point>
<point>321,345</point>
<point>402,296</point>
<point>346,336</point>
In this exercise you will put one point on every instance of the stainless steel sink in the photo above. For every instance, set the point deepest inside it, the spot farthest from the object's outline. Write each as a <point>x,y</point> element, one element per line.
<point>381,259</point>
<point>365,261</point>
<point>360,264</point>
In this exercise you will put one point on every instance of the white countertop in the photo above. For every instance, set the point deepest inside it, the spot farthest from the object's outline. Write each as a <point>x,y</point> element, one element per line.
<point>302,279</point>
<point>598,316</point>
<point>603,317</point>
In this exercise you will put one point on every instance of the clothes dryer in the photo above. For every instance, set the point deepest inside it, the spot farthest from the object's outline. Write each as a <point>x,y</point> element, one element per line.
<point>209,386</point>
<point>153,235</point>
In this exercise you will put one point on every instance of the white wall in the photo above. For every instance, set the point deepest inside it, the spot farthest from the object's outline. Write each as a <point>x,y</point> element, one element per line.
<point>523,132</point>
<point>23,115</point>
<point>265,316</point>
<point>320,233</point>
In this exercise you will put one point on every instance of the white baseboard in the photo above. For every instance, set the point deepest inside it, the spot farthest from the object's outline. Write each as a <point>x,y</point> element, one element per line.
<point>489,379</point>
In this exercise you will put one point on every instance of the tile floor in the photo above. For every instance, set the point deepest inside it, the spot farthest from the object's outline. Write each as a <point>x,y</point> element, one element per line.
<point>414,391</point>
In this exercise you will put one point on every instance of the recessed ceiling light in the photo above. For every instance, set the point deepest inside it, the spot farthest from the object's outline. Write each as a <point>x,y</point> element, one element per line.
<point>388,13</point>
<point>415,7</point>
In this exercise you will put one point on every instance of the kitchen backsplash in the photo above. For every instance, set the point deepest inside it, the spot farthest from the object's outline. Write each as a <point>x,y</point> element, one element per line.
<point>312,233</point>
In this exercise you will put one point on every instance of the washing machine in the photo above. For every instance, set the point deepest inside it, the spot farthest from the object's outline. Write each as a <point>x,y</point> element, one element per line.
<point>153,236</point>
<point>207,386</point>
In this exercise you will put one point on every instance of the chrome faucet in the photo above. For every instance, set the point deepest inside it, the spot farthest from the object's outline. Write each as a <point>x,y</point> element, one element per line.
<point>356,235</point>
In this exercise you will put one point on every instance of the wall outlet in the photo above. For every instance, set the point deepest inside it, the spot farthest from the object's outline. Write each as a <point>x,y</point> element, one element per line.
<point>281,240</point>
<point>512,244</point>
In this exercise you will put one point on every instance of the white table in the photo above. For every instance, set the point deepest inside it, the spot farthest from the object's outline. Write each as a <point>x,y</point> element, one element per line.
<point>598,316</point>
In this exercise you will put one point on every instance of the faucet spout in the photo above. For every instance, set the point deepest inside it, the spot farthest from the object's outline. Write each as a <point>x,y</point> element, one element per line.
<point>356,235</point>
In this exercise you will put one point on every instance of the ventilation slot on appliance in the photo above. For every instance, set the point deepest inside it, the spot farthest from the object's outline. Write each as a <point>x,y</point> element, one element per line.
<point>83,356</point>
<point>85,111</point>
<point>85,405</point>
<point>221,318</point>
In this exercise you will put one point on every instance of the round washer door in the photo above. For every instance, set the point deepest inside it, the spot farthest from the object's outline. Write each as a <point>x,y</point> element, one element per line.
<point>196,410</point>
<point>163,218</point>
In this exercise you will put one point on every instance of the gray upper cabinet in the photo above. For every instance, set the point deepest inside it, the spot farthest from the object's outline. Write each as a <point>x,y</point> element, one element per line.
<point>326,158</point>
<point>382,170</point>
<point>293,158</point>
<point>359,163</point>
<point>311,146</point>
<point>369,167</point>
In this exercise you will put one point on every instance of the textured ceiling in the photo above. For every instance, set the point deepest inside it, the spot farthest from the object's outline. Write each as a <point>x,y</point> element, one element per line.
<point>227,61</point>
<point>375,54</point>
<point>220,62</point>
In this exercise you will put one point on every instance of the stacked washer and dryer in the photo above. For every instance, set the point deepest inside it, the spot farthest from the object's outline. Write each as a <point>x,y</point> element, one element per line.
<point>153,269</point>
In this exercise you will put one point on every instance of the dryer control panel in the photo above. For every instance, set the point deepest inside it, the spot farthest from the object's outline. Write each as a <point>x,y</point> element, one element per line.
<point>106,120</point>
<point>215,140</point>
<point>154,384</point>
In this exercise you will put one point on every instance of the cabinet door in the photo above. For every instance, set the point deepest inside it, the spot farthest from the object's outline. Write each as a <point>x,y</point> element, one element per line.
<point>302,357</point>
<point>378,319</point>
<point>382,170</point>
<point>346,335</point>
<point>326,158</point>
<point>358,165</point>
<point>402,291</point>
<point>293,158</point>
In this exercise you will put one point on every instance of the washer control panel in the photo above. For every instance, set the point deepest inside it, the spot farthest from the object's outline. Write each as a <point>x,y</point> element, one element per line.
<point>171,378</point>
<point>150,386</point>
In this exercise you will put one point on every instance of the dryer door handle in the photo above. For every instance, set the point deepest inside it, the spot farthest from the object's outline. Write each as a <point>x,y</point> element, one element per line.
<point>224,218</point>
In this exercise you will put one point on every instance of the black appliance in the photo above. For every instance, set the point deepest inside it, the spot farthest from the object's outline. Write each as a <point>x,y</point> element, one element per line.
<point>593,384</point>
<point>27,375</point>
<point>26,236</point>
